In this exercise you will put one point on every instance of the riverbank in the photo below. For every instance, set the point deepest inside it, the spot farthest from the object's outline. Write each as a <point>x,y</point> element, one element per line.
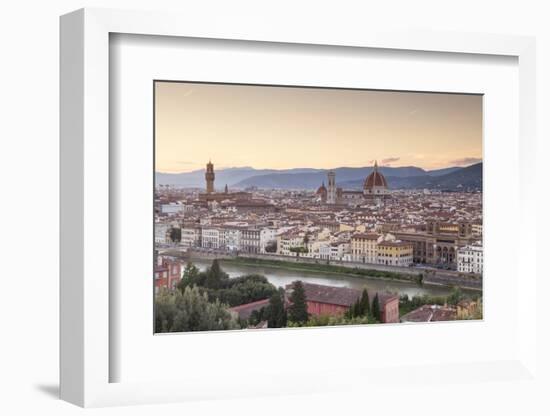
<point>283,276</point>
<point>412,275</point>
<point>325,268</point>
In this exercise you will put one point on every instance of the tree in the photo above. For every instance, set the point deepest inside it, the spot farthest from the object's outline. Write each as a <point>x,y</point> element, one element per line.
<point>190,271</point>
<point>478,311</point>
<point>244,289</point>
<point>365,303</point>
<point>455,296</point>
<point>231,291</point>
<point>215,276</point>
<point>276,313</point>
<point>361,307</point>
<point>271,247</point>
<point>298,250</point>
<point>165,311</point>
<point>257,316</point>
<point>191,277</point>
<point>175,234</point>
<point>191,311</point>
<point>376,308</point>
<point>297,311</point>
<point>331,320</point>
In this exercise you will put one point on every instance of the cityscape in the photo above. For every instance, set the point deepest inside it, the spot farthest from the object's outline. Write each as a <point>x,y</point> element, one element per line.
<point>255,247</point>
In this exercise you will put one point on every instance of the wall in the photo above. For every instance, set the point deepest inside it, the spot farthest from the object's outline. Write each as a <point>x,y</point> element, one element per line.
<point>317,308</point>
<point>29,171</point>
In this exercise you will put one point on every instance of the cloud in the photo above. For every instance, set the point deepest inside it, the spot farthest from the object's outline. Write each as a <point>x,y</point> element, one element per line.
<point>388,161</point>
<point>466,161</point>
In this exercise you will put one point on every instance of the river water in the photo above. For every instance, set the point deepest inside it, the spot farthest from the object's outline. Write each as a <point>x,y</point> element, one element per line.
<point>281,277</point>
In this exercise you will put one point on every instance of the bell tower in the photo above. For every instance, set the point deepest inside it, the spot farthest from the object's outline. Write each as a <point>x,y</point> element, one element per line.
<point>331,192</point>
<point>209,176</point>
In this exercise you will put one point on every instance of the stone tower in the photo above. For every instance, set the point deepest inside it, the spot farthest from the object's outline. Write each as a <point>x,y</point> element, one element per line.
<point>210,176</point>
<point>331,190</point>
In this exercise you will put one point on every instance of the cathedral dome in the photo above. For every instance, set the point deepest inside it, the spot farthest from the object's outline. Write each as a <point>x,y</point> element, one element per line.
<point>375,180</point>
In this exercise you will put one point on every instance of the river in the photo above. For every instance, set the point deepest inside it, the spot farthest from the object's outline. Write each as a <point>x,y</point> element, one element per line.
<point>280,277</point>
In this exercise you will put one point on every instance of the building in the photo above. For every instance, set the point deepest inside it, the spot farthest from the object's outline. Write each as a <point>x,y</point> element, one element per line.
<point>172,208</point>
<point>350,197</point>
<point>210,237</point>
<point>244,311</point>
<point>331,300</point>
<point>470,259</point>
<point>331,191</point>
<point>247,205</point>
<point>210,176</point>
<point>477,230</point>
<point>190,236</point>
<point>288,242</point>
<point>439,243</point>
<point>375,190</point>
<point>363,247</point>
<point>375,185</point>
<point>327,300</point>
<point>231,239</point>
<point>167,273</point>
<point>162,231</point>
<point>322,193</point>
<point>430,313</point>
<point>389,307</point>
<point>394,253</point>
<point>325,250</point>
<point>338,250</point>
<point>267,237</point>
<point>211,195</point>
<point>250,240</point>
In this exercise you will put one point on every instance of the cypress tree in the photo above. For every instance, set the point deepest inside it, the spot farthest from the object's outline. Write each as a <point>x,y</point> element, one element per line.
<point>357,308</point>
<point>277,313</point>
<point>214,276</point>
<point>365,303</point>
<point>297,312</point>
<point>376,308</point>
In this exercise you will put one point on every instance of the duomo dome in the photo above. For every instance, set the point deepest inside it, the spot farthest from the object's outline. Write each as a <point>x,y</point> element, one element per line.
<point>375,182</point>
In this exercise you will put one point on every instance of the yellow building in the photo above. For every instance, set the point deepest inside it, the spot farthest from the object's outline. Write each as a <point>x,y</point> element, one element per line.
<point>363,247</point>
<point>395,253</point>
<point>361,228</point>
<point>288,242</point>
<point>346,227</point>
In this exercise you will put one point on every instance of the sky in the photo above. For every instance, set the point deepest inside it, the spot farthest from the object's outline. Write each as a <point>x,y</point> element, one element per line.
<point>284,127</point>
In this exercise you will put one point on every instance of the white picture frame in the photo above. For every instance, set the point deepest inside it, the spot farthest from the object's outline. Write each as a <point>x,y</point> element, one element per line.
<point>86,356</point>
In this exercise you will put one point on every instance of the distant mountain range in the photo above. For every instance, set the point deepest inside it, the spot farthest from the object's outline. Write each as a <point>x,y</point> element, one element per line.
<point>462,178</point>
<point>229,176</point>
<point>410,177</point>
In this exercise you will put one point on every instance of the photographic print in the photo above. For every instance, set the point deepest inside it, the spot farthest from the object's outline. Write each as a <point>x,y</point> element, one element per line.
<point>291,206</point>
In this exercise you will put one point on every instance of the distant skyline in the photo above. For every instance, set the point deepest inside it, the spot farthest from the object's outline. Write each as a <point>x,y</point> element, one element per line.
<point>291,127</point>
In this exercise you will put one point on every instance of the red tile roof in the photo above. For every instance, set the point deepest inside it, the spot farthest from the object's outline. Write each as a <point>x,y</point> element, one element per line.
<point>342,296</point>
<point>246,309</point>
